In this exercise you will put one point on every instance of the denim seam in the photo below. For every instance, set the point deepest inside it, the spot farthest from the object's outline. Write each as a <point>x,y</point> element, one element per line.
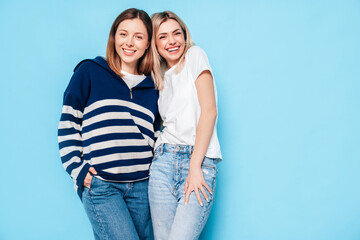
<point>98,217</point>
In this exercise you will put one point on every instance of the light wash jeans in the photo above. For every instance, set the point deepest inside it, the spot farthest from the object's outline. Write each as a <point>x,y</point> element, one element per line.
<point>118,210</point>
<point>170,217</point>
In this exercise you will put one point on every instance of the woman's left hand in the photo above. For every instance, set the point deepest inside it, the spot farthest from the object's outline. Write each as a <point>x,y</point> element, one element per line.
<point>194,182</point>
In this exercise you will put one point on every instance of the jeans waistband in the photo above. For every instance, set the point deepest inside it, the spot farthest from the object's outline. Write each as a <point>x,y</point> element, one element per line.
<point>165,147</point>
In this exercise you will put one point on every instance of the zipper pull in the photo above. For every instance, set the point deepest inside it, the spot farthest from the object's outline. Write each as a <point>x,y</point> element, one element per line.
<point>131,94</point>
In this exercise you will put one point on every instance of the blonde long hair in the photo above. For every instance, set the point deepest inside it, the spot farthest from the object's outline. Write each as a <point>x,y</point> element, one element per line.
<point>145,63</point>
<point>160,64</point>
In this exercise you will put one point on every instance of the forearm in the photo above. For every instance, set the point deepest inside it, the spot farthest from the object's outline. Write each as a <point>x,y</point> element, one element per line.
<point>204,132</point>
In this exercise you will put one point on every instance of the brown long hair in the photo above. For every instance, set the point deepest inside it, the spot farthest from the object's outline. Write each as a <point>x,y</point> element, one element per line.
<point>159,62</point>
<point>145,63</point>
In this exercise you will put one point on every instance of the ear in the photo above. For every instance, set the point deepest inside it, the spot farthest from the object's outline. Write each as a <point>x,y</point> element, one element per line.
<point>148,44</point>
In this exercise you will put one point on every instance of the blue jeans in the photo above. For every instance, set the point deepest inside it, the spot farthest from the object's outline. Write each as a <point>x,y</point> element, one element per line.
<point>118,210</point>
<point>170,217</point>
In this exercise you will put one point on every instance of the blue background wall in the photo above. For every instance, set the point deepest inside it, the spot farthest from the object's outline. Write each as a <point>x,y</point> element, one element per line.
<point>288,79</point>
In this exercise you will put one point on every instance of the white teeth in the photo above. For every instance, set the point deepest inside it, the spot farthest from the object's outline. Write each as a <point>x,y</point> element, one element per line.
<point>173,49</point>
<point>128,51</point>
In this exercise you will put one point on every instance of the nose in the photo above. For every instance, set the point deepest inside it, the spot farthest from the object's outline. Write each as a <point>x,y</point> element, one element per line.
<point>130,41</point>
<point>172,40</point>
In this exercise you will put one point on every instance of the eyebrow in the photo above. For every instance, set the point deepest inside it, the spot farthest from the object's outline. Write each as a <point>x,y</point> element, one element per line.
<point>178,29</point>
<point>135,33</point>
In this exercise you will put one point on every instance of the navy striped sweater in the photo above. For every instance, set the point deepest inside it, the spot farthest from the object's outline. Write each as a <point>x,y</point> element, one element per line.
<point>106,125</point>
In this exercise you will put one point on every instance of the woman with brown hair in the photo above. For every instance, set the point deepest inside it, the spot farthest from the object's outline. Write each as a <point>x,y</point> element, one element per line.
<point>106,131</point>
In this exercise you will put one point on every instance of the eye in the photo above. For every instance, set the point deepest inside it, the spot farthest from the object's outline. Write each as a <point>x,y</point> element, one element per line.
<point>162,37</point>
<point>122,34</point>
<point>139,37</point>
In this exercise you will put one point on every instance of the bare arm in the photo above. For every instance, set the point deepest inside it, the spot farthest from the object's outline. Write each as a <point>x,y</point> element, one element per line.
<point>195,180</point>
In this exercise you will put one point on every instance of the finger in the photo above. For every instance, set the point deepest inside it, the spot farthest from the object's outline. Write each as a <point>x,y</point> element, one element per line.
<point>204,193</point>
<point>187,195</point>
<point>87,180</point>
<point>198,197</point>
<point>92,170</point>
<point>207,187</point>
<point>186,187</point>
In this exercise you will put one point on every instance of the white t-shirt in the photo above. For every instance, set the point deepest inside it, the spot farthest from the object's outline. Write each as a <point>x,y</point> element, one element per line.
<point>179,104</point>
<point>132,80</point>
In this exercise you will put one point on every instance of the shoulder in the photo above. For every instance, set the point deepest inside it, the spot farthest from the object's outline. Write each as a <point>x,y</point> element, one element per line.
<point>195,54</point>
<point>90,64</point>
<point>195,51</point>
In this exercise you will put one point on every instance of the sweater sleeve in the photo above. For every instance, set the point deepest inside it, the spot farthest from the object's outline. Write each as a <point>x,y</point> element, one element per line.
<point>69,131</point>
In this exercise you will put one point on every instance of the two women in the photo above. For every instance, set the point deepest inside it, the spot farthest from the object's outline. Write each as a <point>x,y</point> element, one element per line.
<point>106,133</point>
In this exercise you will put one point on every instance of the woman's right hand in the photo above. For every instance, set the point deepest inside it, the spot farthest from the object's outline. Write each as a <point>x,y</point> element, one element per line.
<point>87,180</point>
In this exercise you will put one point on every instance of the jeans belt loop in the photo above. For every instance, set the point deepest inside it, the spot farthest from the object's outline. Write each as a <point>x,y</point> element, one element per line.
<point>161,148</point>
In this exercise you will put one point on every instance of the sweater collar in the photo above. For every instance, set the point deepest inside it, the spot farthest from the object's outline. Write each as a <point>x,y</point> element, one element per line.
<point>146,83</point>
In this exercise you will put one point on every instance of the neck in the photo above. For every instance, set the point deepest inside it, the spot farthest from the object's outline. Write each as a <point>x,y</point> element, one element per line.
<point>132,69</point>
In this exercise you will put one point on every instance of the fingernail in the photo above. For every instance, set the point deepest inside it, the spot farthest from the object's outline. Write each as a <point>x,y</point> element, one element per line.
<point>211,193</point>
<point>207,200</point>
<point>185,203</point>
<point>201,204</point>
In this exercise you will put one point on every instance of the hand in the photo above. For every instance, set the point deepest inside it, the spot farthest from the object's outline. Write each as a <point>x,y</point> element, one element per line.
<point>87,180</point>
<point>195,181</point>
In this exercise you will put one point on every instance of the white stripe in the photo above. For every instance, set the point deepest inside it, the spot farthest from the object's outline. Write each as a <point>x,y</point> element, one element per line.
<point>143,123</point>
<point>157,134</point>
<point>66,150</point>
<point>120,156</point>
<point>75,136</point>
<point>75,172</point>
<point>106,116</point>
<point>74,159</point>
<point>114,143</point>
<point>149,140</point>
<point>72,111</point>
<point>117,102</point>
<point>108,130</point>
<point>69,124</point>
<point>128,169</point>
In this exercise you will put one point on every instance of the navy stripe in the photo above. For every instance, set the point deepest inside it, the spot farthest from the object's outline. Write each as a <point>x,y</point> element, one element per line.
<point>70,117</point>
<point>70,155</point>
<point>123,177</point>
<point>141,115</point>
<point>123,163</point>
<point>147,132</point>
<point>106,109</point>
<point>69,143</point>
<point>73,166</point>
<point>112,150</point>
<point>112,136</point>
<point>67,131</point>
<point>114,108</point>
<point>109,123</point>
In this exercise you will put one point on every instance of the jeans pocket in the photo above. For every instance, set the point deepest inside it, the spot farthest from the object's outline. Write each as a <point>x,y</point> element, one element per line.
<point>209,163</point>
<point>92,182</point>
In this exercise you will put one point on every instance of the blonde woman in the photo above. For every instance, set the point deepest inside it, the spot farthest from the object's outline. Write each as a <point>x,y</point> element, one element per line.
<point>183,172</point>
<point>106,132</point>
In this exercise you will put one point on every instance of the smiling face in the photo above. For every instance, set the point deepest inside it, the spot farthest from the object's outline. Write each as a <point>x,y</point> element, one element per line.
<point>131,42</point>
<point>170,41</point>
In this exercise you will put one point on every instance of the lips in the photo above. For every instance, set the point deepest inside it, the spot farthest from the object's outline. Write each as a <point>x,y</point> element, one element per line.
<point>173,49</point>
<point>128,52</point>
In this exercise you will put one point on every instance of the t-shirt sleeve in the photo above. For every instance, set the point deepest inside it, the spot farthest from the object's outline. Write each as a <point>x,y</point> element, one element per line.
<point>197,61</point>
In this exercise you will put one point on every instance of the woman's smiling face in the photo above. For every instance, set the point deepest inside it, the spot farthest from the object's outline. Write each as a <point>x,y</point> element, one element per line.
<point>131,42</point>
<point>170,41</point>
